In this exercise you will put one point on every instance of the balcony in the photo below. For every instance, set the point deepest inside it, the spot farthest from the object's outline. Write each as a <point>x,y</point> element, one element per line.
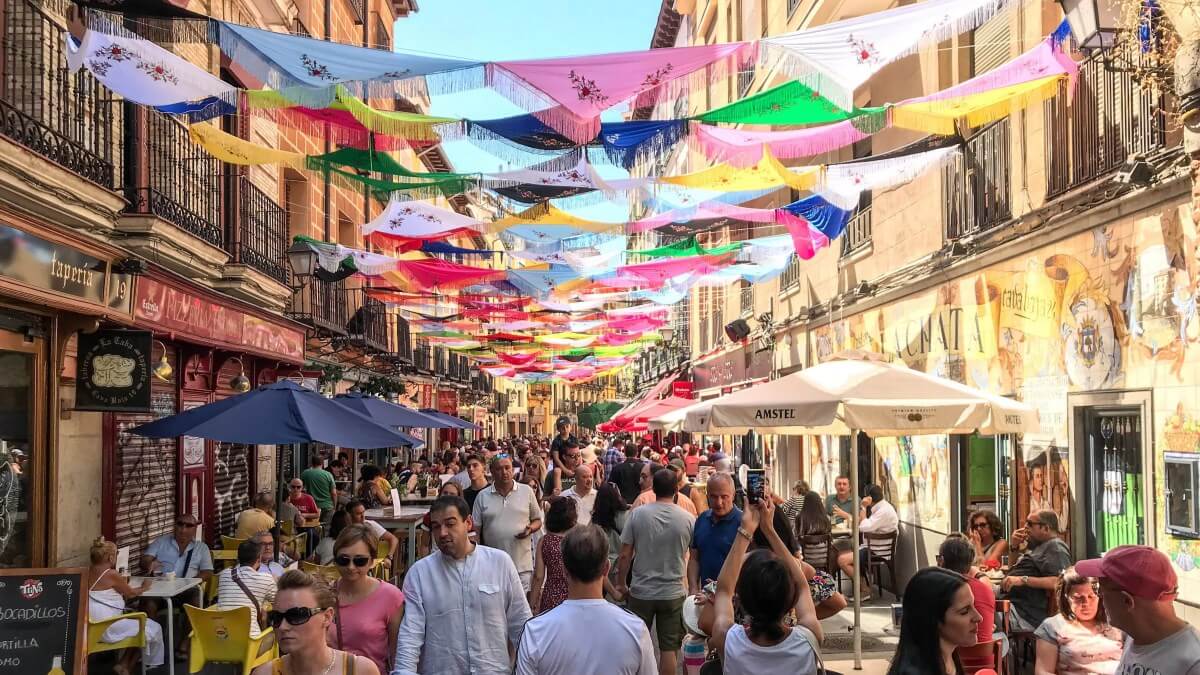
<point>790,280</point>
<point>358,10</point>
<point>404,342</point>
<point>383,37</point>
<point>1110,118</point>
<point>69,119</point>
<point>746,299</point>
<point>175,179</point>
<point>975,187</point>
<point>858,232</point>
<point>367,327</point>
<point>261,235</point>
<point>323,307</point>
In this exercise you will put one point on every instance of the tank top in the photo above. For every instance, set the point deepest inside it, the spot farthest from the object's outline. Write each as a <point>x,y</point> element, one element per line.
<point>348,662</point>
<point>794,655</point>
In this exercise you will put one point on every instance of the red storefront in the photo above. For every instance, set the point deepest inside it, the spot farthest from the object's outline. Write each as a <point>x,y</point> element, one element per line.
<point>208,340</point>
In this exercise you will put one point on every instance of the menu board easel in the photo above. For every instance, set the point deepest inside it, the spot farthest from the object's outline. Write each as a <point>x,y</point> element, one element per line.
<point>43,619</point>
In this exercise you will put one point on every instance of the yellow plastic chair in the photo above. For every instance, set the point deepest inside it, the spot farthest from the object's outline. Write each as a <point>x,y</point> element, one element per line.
<point>96,631</point>
<point>289,539</point>
<point>230,543</point>
<point>223,636</point>
<point>210,590</point>
<point>327,572</point>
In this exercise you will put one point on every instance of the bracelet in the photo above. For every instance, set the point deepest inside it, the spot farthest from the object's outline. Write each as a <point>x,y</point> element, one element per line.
<point>745,533</point>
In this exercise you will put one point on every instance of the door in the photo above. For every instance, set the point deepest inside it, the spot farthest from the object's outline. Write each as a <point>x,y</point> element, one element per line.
<point>1114,476</point>
<point>23,449</point>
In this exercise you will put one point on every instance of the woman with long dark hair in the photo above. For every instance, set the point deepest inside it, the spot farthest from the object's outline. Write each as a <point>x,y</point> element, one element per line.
<point>938,617</point>
<point>610,512</point>
<point>987,536</point>
<point>812,519</point>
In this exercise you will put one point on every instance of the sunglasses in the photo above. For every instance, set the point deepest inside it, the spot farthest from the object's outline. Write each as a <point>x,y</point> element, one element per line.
<point>980,526</point>
<point>183,523</point>
<point>358,560</point>
<point>296,616</point>
<point>1032,523</point>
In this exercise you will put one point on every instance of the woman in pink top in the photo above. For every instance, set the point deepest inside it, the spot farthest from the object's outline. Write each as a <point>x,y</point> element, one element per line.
<point>368,611</point>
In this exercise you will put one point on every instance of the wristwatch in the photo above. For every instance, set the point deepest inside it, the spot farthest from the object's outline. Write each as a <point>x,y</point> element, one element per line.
<point>1025,580</point>
<point>745,533</point>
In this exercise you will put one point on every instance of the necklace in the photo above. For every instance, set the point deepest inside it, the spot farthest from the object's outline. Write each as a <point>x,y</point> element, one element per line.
<point>332,659</point>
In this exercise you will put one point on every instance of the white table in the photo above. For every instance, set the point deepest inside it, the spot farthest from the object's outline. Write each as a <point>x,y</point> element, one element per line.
<point>406,519</point>
<point>169,589</point>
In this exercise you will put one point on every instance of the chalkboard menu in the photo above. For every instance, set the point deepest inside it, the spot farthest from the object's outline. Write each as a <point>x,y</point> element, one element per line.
<point>43,620</point>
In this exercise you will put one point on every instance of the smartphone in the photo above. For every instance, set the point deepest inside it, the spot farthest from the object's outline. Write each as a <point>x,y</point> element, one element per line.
<point>755,485</point>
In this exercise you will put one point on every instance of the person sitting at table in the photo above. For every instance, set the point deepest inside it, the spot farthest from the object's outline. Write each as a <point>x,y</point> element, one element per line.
<point>247,585</point>
<point>1079,639</point>
<point>323,554</point>
<point>372,490</point>
<point>1036,572</point>
<point>106,599</point>
<point>987,536</point>
<point>875,516</point>
<point>958,555</point>
<point>179,552</point>
<point>260,516</point>
<point>268,561</point>
<point>841,500</point>
<point>358,516</point>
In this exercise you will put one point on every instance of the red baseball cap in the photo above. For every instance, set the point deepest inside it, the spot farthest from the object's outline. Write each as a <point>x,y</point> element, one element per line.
<point>1140,571</point>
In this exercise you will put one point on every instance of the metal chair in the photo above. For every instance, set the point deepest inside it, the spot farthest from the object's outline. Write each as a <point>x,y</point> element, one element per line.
<point>982,655</point>
<point>96,630</point>
<point>818,552</point>
<point>881,553</point>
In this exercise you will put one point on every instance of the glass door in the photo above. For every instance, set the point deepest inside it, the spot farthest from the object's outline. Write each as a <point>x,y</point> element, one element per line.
<point>1114,478</point>
<point>22,442</point>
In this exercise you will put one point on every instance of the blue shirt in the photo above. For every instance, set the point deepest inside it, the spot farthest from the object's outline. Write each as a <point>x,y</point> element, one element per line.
<point>166,551</point>
<point>712,538</point>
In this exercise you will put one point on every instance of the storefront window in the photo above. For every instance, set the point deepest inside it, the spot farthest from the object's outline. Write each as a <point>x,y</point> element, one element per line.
<point>17,448</point>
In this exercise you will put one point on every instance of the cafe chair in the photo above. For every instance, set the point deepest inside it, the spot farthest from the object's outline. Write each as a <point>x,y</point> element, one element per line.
<point>223,636</point>
<point>210,590</point>
<point>881,553</point>
<point>297,543</point>
<point>327,572</point>
<point>818,552</point>
<point>983,655</point>
<point>96,629</point>
<point>230,543</point>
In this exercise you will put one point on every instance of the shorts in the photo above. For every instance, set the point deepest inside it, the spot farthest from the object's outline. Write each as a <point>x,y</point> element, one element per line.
<point>669,616</point>
<point>526,580</point>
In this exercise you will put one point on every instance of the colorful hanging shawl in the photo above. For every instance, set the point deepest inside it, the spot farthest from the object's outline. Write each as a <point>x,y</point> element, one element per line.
<point>421,221</point>
<point>540,283</point>
<point>142,72</point>
<point>443,248</point>
<point>349,110</point>
<point>545,214</point>
<point>631,142</point>
<point>836,58</point>
<point>573,340</point>
<point>745,148</point>
<point>659,271</point>
<point>686,247</point>
<point>767,174</point>
<point>539,183</point>
<point>306,70</point>
<point>843,183</point>
<point>789,104</point>
<point>580,88</point>
<point>439,274</point>
<point>234,150</point>
<point>688,221</point>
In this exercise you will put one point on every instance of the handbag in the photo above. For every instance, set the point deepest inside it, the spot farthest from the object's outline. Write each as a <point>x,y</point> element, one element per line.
<point>258,613</point>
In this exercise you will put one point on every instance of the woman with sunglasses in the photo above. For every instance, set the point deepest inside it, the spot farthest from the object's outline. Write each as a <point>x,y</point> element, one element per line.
<point>304,611</point>
<point>987,536</point>
<point>367,611</point>
<point>1079,639</point>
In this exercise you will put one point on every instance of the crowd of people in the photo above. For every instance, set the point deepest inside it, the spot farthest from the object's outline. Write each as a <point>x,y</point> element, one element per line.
<point>613,556</point>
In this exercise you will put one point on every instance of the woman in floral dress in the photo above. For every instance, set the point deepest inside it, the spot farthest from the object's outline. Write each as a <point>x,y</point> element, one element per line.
<point>549,587</point>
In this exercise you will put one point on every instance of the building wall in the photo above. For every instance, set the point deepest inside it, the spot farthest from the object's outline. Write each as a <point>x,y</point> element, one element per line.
<point>79,501</point>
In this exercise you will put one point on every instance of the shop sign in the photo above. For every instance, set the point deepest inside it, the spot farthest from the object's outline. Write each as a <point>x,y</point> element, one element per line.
<point>50,266</point>
<point>447,401</point>
<point>42,616</point>
<point>193,315</point>
<point>682,389</point>
<point>112,371</point>
<point>721,371</point>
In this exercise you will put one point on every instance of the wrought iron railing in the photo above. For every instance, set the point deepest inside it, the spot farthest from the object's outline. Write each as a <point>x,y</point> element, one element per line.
<point>1110,117</point>
<point>858,232</point>
<point>358,9</point>
<point>322,306</point>
<point>975,187</point>
<point>792,6</point>
<point>181,182</point>
<point>368,324</point>
<point>262,232</point>
<point>404,343</point>
<point>745,79</point>
<point>299,28</point>
<point>383,39</point>
<point>746,298</point>
<point>790,280</point>
<point>68,118</point>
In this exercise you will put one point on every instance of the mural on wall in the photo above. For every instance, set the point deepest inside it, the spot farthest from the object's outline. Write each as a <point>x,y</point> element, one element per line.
<point>914,472</point>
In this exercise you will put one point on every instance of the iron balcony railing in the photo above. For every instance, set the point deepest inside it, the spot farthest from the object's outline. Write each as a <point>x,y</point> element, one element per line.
<point>792,5</point>
<point>261,232</point>
<point>68,118</point>
<point>323,306</point>
<point>975,187</point>
<point>383,40</point>
<point>858,232</point>
<point>790,280</point>
<point>1110,117</point>
<point>171,177</point>
<point>404,342</point>
<point>358,9</point>
<point>746,299</point>
<point>367,326</point>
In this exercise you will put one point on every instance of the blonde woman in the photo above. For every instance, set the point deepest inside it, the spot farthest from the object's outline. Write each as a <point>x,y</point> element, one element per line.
<point>106,599</point>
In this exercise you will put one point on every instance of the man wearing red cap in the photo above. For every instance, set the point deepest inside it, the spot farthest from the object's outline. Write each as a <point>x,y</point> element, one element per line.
<point>1138,586</point>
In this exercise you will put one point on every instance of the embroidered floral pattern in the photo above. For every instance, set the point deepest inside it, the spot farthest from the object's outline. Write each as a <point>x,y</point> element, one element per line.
<point>158,72</point>
<point>316,69</point>
<point>100,68</point>
<point>657,77</point>
<point>112,52</point>
<point>864,50</point>
<point>586,89</point>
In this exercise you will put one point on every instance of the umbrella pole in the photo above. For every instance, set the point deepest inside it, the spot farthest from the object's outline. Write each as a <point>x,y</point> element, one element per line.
<point>277,530</point>
<point>856,576</point>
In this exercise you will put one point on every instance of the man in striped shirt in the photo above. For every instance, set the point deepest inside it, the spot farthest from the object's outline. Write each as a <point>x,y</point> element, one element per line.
<point>245,585</point>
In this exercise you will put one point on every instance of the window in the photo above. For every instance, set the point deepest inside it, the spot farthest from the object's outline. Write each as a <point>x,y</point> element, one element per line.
<point>1182,473</point>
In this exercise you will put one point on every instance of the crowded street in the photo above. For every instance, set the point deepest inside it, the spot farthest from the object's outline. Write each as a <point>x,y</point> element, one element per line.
<point>636,337</point>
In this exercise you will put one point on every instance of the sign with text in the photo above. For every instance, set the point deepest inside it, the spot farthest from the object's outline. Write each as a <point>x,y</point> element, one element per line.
<point>42,620</point>
<point>112,371</point>
<point>51,266</point>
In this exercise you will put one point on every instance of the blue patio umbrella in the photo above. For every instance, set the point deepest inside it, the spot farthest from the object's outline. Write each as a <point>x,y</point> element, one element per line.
<point>276,414</point>
<point>391,414</point>
<point>452,421</point>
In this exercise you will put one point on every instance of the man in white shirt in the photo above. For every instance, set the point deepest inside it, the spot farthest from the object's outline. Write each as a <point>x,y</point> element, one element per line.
<point>267,562</point>
<point>882,519</point>
<point>245,585</point>
<point>583,494</point>
<point>506,514</point>
<point>618,642</point>
<point>467,591</point>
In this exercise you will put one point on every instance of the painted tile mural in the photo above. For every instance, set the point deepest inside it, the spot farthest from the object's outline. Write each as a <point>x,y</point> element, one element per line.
<point>1108,309</point>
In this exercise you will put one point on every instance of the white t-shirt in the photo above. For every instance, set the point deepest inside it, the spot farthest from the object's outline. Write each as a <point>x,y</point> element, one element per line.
<point>583,505</point>
<point>794,655</point>
<point>616,643</point>
<point>1175,655</point>
<point>883,519</point>
<point>375,528</point>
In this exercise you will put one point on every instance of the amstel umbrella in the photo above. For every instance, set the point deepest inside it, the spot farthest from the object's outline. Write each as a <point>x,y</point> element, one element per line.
<point>388,413</point>
<point>452,422</point>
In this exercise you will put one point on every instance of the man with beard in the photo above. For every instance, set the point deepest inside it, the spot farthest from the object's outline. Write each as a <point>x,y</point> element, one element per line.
<point>456,599</point>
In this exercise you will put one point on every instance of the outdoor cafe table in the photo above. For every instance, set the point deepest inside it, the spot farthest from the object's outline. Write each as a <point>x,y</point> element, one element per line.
<point>407,519</point>
<point>169,589</point>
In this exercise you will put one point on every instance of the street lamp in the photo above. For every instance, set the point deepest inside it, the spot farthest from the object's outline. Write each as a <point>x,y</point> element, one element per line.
<point>302,258</point>
<point>1094,23</point>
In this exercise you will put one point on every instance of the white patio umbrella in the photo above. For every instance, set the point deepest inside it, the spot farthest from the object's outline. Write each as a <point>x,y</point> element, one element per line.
<point>673,420</point>
<point>860,391</point>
